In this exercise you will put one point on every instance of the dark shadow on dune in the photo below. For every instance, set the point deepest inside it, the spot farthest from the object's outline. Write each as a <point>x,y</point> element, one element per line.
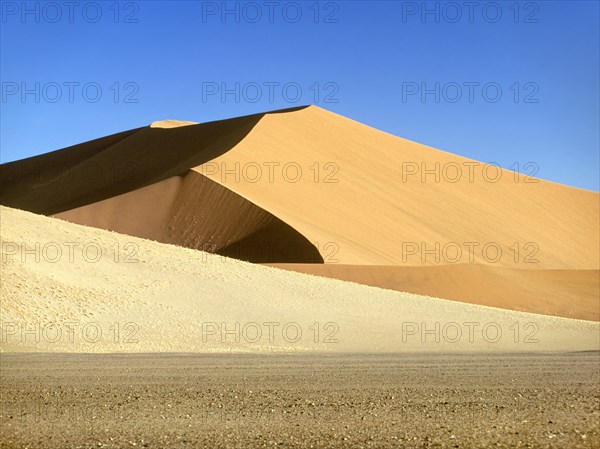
<point>116,164</point>
<point>294,109</point>
<point>196,212</point>
<point>277,242</point>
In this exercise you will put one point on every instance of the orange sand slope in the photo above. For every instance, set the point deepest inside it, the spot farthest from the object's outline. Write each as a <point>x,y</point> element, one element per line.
<point>566,293</point>
<point>375,209</point>
<point>305,185</point>
<point>72,288</point>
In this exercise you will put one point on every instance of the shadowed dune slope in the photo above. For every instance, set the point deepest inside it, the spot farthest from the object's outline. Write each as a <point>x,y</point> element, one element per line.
<point>103,168</point>
<point>169,298</point>
<point>138,183</point>
<point>566,293</point>
<point>195,212</point>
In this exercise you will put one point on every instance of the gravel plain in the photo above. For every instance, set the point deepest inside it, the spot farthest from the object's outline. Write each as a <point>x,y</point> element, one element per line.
<point>340,401</point>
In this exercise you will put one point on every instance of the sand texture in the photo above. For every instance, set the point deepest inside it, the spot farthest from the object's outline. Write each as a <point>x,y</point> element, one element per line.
<point>306,186</point>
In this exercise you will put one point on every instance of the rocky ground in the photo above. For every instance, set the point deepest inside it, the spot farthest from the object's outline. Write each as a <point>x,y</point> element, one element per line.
<point>245,401</point>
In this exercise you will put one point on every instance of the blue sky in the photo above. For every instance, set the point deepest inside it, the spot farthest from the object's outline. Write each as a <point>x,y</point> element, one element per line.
<point>505,82</point>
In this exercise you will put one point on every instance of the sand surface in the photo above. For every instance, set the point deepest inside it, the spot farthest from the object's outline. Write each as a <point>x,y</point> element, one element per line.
<point>566,293</point>
<point>72,288</point>
<point>369,205</point>
<point>371,401</point>
<point>308,186</point>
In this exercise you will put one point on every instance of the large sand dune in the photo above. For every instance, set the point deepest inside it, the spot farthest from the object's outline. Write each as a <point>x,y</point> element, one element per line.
<point>308,186</point>
<point>375,206</point>
<point>112,292</point>
<point>366,202</point>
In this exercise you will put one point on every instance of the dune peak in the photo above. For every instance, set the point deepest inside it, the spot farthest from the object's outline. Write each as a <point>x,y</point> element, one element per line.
<point>171,124</point>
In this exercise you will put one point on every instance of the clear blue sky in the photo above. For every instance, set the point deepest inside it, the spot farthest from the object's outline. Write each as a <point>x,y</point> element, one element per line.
<point>370,61</point>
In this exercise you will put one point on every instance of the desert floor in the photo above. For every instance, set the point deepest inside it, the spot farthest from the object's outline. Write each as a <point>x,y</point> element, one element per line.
<point>402,400</point>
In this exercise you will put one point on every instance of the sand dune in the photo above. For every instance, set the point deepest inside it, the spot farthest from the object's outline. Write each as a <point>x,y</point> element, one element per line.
<point>103,168</point>
<point>196,212</point>
<point>375,206</point>
<point>344,183</point>
<point>114,292</point>
<point>566,293</point>
<point>305,185</point>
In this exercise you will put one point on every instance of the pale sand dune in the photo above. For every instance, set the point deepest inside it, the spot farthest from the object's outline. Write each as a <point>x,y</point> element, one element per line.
<point>566,293</point>
<point>170,291</point>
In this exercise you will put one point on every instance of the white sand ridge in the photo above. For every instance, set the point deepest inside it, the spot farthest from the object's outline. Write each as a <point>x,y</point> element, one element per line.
<point>67,287</point>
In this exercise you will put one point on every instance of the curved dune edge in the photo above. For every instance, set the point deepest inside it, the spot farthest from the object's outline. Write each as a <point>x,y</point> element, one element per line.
<point>165,294</point>
<point>194,212</point>
<point>565,293</point>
